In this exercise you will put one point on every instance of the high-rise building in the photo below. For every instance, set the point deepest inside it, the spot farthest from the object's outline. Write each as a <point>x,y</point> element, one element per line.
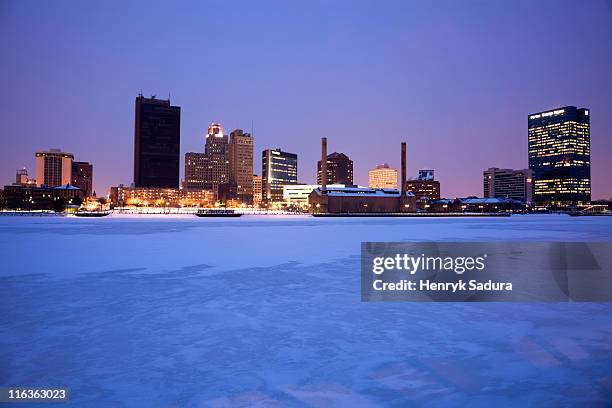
<point>508,183</point>
<point>196,167</point>
<point>257,189</point>
<point>157,143</point>
<point>53,168</point>
<point>382,176</point>
<point>82,177</point>
<point>339,169</point>
<point>278,168</point>
<point>217,170</point>
<point>560,156</point>
<point>241,164</point>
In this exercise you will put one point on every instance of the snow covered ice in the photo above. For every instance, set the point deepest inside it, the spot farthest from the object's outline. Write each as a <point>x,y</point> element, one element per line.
<point>174,311</point>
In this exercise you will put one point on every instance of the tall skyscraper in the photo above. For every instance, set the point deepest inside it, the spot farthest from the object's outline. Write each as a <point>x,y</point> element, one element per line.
<point>382,176</point>
<point>82,177</point>
<point>217,156</point>
<point>157,143</point>
<point>339,169</point>
<point>560,156</point>
<point>278,168</point>
<point>53,168</point>
<point>241,164</point>
<point>508,183</point>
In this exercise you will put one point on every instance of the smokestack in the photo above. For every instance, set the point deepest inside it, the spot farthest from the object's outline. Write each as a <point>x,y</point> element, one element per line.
<point>323,164</point>
<point>403,187</point>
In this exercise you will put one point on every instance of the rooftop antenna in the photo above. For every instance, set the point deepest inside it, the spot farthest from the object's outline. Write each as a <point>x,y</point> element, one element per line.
<point>168,96</point>
<point>252,132</point>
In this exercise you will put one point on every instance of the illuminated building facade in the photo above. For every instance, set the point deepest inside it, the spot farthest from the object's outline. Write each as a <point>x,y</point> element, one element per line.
<point>424,189</point>
<point>278,169</point>
<point>22,178</point>
<point>296,195</point>
<point>82,177</point>
<point>382,176</point>
<point>196,166</point>
<point>241,165</point>
<point>508,183</point>
<point>160,197</point>
<point>53,168</point>
<point>339,169</point>
<point>257,190</point>
<point>157,142</point>
<point>560,156</point>
<point>216,151</point>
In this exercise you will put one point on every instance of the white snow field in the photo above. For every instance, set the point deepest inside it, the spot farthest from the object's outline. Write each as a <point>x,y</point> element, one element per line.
<point>173,311</point>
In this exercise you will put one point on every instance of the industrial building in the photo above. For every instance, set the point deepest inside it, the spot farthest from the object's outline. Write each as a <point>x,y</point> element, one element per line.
<point>351,200</point>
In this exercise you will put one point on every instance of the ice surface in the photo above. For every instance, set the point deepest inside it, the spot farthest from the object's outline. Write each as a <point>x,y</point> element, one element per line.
<point>265,311</point>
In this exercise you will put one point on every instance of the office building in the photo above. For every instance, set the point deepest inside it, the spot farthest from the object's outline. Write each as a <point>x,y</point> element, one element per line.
<point>382,176</point>
<point>82,177</point>
<point>257,190</point>
<point>278,169</point>
<point>53,168</point>
<point>560,156</point>
<point>339,169</point>
<point>241,165</point>
<point>196,167</point>
<point>424,189</point>
<point>157,142</point>
<point>216,151</point>
<point>508,183</point>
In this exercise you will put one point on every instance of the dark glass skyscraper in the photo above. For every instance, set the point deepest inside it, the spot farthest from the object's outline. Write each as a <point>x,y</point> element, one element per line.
<point>278,168</point>
<point>560,156</point>
<point>157,142</point>
<point>82,177</point>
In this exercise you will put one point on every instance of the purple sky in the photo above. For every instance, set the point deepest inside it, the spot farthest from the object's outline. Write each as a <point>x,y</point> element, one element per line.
<point>454,79</point>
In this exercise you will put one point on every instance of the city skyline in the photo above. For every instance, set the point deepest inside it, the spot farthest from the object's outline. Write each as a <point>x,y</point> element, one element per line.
<point>476,108</point>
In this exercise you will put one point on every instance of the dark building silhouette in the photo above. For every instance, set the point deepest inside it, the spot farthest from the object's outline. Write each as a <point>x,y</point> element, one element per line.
<point>157,142</point>
<point>339,169</point>
<point>82,177</point>
<point>560,156</point>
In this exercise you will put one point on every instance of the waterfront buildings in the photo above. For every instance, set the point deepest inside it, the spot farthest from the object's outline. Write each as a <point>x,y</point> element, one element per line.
<point>257,190</point>
<point>351,200</point>
<point>508,183</point>
<point>241,165</point>
<point>157,140</point>
<point>296,195</point>
<point>53,168</point>
<point>82,177</point>
<point>560,156</point>
<point>339,169</point>
<point>382,176</point>
<point>160,197</point>
<point>278,169</point>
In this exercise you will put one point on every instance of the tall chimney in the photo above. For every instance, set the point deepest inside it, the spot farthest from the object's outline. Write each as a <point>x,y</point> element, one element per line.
<point>323,164</point>
<point>403,187</point>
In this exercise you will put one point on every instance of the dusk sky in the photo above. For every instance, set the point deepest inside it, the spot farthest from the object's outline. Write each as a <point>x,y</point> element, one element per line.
<point>454,79</point>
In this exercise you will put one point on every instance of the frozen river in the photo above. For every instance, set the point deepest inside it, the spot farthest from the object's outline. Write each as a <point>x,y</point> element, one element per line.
<point>188,312</point>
